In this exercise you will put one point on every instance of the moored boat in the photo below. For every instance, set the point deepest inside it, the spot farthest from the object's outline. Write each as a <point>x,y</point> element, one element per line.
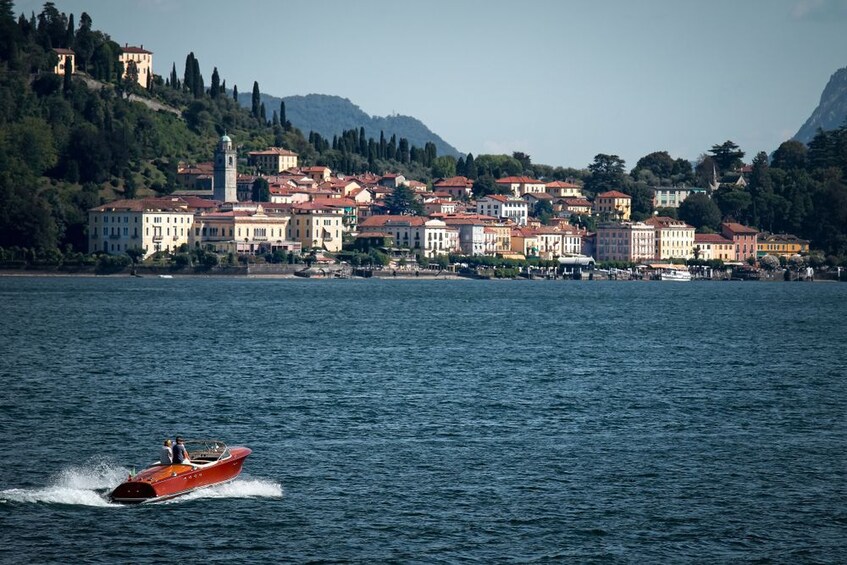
<point>674,275</point>
<point>211,462</point>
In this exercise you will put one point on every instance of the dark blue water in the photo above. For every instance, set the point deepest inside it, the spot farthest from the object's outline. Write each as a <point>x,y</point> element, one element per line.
<point>429,421</point>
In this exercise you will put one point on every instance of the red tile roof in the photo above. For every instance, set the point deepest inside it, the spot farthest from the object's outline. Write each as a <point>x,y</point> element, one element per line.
<point>518,180</point>
<point>131,49</point>
<point>382,221</point>
<point>461,182</point>
<point>739,229</point>
<point>711,238</point>
<point>613,194</point>
<point>561,184</point>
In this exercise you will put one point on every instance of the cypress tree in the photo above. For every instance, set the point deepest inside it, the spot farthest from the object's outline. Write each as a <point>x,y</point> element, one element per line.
<point>223,87</point>
<point>363,143</point>
<point>188,74</point>
<point>256,100</point>
<point>460,167</point>
<point>275,119</point>
<point>235,92</point>
<point>198,89</point>
<point>69,36</point>
<point>66,84</point>
<point>283,120</point>
<point>215,89</point>
<point>174,80</point>
<point>262,113</point>
<point>470,167</point>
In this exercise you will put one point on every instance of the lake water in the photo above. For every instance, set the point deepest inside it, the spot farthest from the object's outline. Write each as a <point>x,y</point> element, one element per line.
<point>428,421</point>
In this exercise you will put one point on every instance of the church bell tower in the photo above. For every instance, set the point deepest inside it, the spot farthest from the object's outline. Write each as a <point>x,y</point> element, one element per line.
<point>225,188</point>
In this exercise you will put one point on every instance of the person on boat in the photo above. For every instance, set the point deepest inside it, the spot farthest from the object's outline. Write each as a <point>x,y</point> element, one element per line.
<point>180,453</point>
<point>166,455</point>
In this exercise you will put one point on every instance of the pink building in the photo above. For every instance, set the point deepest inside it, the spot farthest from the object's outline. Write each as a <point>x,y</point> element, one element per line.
<point>743,237</point>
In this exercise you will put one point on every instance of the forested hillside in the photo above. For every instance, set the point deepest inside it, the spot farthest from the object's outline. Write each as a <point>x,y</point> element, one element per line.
<point>331,115</point>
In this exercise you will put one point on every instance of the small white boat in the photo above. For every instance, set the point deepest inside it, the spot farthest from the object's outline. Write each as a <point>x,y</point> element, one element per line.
<point>166,276</point>
<point>674,275</point>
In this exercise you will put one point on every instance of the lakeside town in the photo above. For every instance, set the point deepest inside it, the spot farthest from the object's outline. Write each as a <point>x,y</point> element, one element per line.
<point>312,211</point>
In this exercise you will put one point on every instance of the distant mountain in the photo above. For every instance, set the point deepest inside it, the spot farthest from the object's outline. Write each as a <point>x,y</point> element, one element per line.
<point>331,115</point>
<point>831,112</point>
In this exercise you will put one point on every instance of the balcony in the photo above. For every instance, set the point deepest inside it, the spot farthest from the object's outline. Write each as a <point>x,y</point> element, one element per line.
<point>115,236</point>
<point>157,238</point>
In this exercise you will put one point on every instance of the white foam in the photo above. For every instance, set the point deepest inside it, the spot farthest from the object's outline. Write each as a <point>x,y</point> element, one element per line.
<point>80,485</point>
<point>239,488</point>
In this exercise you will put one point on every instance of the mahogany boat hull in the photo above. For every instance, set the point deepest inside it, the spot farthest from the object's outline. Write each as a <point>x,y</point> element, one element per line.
<point>161,482</point>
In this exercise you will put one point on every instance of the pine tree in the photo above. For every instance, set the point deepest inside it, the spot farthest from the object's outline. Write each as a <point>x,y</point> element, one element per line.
<point>256,105</point>
<point>215,89</point>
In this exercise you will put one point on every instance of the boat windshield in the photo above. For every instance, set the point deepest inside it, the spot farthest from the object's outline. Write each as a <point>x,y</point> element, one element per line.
<point>206,450</point>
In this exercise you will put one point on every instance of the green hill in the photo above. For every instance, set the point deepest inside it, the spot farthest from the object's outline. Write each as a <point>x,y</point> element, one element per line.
<point>332,115</point>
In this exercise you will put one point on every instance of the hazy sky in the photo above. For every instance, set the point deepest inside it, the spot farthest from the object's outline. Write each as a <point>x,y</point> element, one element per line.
<point>561,80</point>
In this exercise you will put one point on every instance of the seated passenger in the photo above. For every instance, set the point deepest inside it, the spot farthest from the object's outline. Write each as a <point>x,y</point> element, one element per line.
<point>166,454</point>
<point>180,453</point>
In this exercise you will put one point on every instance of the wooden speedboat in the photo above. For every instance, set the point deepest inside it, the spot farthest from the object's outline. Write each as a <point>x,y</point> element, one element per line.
<point>211,462</point>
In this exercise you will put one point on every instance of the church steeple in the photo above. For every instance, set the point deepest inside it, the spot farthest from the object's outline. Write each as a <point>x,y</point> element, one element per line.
<point>225,187</point>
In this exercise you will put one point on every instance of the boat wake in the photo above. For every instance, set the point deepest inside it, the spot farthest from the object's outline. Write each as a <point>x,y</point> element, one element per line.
<point>84,485</point>
<point>239,488</point>
<point>90,484</point>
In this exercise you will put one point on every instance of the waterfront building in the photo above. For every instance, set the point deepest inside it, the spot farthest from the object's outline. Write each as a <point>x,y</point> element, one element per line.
<point>471,232</point>
<point>149,224</point>
<point>429,236</point>
<point>141,59</point>
<point>744,238</point>
<point>273,160</point>
<point>316,226</point>
<point>674,238</point>
<point>781,245</point>
<point>519,186</point>
<point>625,241</point>
<point>524,241</point>
<point>242,230</point>
<point>613,205</point>
<point>712,246</point>
<point>504,207</point>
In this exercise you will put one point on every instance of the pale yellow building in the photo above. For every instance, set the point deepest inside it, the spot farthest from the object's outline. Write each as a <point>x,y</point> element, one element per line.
<point>141,58</point>
<point>273,160</point>
<point>430,237</point>
<point>316,226</point>
<point>674,238</point>
<point>613,205</point>
<point>151,224</point>
<point>781,245</point>
<point>66,59</point>
<point>710,246</point>
<point>561,189</point>
<point>242,231</point>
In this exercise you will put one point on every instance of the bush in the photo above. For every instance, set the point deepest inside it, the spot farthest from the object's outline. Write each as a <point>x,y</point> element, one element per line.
<point>109,264</point>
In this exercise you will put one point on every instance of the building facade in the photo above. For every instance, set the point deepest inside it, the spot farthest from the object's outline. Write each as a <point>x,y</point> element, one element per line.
<point>273,160</point>
<point>674,238</point>
<point>150,225</point>
<point>744,238</point>
<point>504,207</point>
<point>625,241</point>
<point>713,246</point>
<point>613,205</point>
<point>141,59</point>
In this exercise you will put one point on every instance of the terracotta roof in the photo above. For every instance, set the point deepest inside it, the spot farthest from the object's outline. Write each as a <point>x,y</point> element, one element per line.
<point>63,51</point>
<point>461,182</point>
<point>561,184</point>
<point>737,228</point>
<point>143,204</point>
<point>539,195</point>
<point>131,49</point>
<point>518,180</point>
<point>613,194</point>
<point>274,151</point>
<point>665,221</point>
<point>576,202</point>
<point>711,238</point>
<point>382,221</point>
